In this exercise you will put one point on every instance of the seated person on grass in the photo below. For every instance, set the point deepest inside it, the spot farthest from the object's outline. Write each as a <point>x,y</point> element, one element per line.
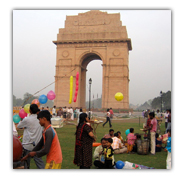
<point>120,137</point>
<point>110,134</point>
<point>158,147</point>
<point>117,146</point>
<point>48,145</point>
<point>108,153</point>
<point>130,140</point>
<point>99,155</point>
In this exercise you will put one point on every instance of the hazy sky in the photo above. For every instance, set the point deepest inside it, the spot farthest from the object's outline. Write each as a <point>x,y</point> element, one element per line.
<point>34,54</point>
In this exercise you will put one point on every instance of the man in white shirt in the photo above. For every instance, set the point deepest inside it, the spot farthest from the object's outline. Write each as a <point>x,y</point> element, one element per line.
<point>32,133</point>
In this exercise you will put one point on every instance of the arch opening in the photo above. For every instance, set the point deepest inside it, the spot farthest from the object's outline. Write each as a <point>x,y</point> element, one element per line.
<point>91,67</point>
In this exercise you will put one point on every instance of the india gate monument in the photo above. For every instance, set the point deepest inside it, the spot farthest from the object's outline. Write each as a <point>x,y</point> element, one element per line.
<point>86,37</point>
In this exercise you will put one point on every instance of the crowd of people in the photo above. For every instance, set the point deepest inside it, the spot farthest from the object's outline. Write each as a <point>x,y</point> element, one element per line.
<point>152,121</point>
<point>37,128</point>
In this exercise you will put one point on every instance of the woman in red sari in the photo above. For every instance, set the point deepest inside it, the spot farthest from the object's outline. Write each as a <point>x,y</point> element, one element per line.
<point>83,143</point>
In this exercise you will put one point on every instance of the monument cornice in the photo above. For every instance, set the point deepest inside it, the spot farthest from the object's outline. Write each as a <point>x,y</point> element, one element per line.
<point>127,40</point>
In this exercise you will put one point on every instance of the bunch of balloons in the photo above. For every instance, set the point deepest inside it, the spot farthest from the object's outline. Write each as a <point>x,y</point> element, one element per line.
<point>77,87</point>
<point>118,96</point>
<point>44,98</point>
<point>71,89</point>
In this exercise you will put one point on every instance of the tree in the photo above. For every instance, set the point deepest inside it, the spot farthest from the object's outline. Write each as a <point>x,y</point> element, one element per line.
<point>166,101</point>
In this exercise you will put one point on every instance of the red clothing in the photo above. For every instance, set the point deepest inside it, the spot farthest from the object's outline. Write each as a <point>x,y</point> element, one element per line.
<point>111,111</point>
<point>149,122</point>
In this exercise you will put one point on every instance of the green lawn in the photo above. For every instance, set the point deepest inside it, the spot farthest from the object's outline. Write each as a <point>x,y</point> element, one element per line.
<point>67,142</point>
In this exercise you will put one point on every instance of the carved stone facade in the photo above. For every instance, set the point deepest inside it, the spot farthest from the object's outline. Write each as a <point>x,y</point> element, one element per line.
<point>93,35</point>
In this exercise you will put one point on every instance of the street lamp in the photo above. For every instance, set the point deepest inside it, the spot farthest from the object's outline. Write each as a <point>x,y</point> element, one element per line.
<point>161,100</point>
<point>90,82</point>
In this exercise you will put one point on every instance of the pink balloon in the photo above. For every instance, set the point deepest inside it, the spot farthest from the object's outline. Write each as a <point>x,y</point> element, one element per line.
<point>51,95</point>
<point>22,113</point>
<point>77,75</point>
<point>77,87</point>
<point>75,99</point>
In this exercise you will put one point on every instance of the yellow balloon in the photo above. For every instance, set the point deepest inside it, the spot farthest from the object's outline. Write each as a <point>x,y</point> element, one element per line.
<point>71,89</point>
<point>119,96</point>
<point>27,108</point>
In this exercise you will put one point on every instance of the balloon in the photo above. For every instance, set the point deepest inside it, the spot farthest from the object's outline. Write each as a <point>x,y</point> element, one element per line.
<point>119,164</point>
<point>95,144</point>
<point>22,113</point>
<point>127,132</point>
<point>43,99</point>
<point>77,87</point>
<point>16,119</point>
<point>27,108</point>
<point>118,96</point>
<point>71,89</point>
<point>77,76</point>
<point>51,95</point>
<point>17,149</point>
<point>36,101</point>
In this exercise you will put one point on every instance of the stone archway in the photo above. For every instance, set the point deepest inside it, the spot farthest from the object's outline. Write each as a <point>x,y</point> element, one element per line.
<point>88,36</point>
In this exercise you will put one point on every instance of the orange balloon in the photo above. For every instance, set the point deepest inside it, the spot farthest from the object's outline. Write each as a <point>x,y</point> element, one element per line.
<point>36,101</point>
<point>95,144</point>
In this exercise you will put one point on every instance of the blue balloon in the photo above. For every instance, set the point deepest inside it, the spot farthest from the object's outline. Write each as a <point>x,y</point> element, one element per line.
<point>43,99</point>
<point>16,119</point>
<point>127,132</point>
<point>119,164</point>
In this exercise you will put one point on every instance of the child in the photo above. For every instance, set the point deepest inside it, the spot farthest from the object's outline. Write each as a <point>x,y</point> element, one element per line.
<point>108,153</point>
<point>158,143</point>
<point>48,145</point>
<point>130,140</point>
<point>168,149</point>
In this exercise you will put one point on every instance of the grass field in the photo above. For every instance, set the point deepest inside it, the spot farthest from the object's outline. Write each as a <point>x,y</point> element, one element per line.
<point>67,142</point>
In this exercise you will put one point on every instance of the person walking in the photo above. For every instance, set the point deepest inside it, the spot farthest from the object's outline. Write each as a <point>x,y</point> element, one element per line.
<point>108,119</point>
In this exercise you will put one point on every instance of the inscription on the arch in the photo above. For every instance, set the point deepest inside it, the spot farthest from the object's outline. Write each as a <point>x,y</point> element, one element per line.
<point>91,22</point>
